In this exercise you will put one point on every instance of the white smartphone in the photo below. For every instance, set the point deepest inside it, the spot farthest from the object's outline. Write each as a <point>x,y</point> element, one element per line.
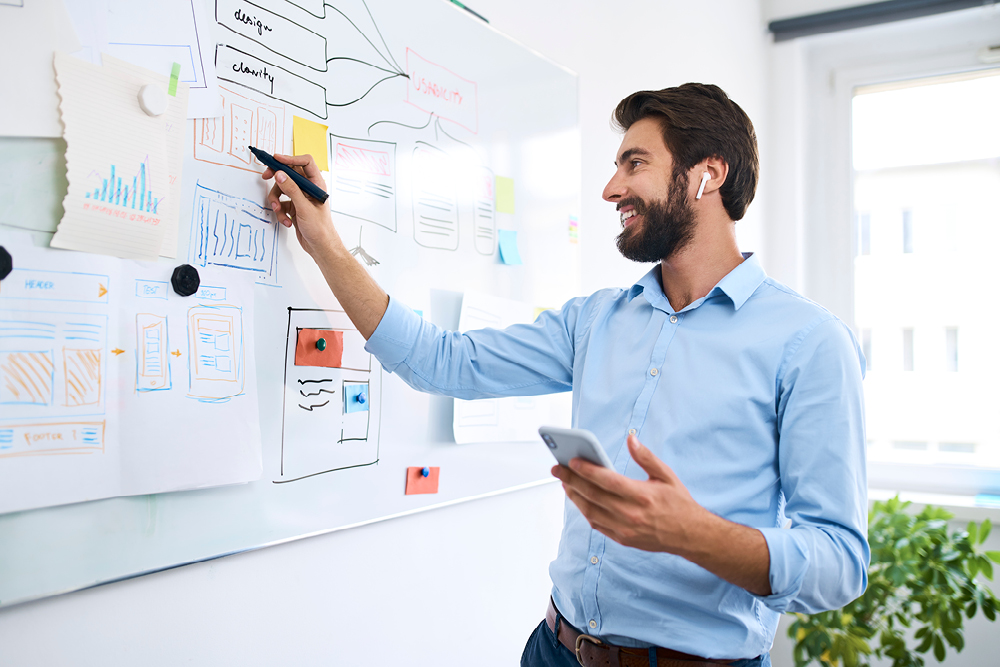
<point>569,443</point>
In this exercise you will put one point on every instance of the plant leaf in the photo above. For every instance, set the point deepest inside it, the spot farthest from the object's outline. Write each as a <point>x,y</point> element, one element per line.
<point>993,556</point>
<point>955,639</point>
<point>984,530</point>
<point>938,648</point>
<point>973,533</point>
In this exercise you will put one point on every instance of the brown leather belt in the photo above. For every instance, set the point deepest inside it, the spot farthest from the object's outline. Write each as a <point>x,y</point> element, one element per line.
<point>592,652</point>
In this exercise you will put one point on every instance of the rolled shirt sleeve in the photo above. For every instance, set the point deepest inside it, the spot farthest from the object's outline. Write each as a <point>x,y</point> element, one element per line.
<point>821,561</point>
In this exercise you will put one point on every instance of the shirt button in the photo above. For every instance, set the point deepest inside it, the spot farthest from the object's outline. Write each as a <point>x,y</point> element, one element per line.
<point>593,623</point>
<point>631,431</point>
<point>653,372</point>
<point>673,319</point>
<point>593,559</point>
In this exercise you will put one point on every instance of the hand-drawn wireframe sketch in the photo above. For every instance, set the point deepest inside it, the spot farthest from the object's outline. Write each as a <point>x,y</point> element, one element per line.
<point>435,198</point>
<point>331,415</point>
<point>152,367</point>
<point>438,90</point>
<point>244,122</point>
<point>215,352</point>
<point>363,173</point>
<point>358,251</point>
<point>233,232</point>
<point>485,225</point>
<point>52,364</point>
<point>284,53</point>
<point>484,411</point>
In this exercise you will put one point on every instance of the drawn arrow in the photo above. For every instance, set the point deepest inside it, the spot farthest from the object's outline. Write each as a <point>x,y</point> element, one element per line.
<point>117,351</point>
<point>101,291</point>
<point>176,353</point>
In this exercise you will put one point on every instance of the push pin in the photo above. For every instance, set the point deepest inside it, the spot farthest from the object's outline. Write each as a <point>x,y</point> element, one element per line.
<point>6,263</point>
<point>185,280</point>
<point>362,398</point>
<point>425,472</point>
<point>153,100</point>
<point>321,344</point>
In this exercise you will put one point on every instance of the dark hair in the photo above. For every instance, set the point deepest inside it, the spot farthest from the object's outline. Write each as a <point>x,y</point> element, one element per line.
<point>700,121</point>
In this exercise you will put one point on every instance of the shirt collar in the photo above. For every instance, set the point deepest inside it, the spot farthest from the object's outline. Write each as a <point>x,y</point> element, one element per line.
<point>739,284</point>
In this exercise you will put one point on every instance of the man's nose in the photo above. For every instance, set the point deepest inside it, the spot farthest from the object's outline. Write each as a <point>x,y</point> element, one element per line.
<point>615,189</point>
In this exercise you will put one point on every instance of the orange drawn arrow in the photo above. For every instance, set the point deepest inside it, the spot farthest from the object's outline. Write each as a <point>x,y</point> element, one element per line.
<point>101,291</point>
<point>176,353</point>
<point>117,351</point>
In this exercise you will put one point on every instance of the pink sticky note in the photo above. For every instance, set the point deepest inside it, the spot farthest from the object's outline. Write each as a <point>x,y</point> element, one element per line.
<point>417,483</point>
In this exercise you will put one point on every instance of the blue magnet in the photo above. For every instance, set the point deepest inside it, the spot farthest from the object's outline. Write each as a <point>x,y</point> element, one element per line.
<point>425,471</point>
<point>356,397</point>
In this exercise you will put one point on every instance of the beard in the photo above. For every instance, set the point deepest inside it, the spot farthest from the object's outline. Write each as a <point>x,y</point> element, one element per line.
<point>667,225</point>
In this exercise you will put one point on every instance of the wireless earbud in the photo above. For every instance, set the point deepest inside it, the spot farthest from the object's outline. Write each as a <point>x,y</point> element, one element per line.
<point>705,178</point>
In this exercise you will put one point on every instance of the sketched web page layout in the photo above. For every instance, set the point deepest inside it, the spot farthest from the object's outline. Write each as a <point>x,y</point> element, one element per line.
<point>97,359</point>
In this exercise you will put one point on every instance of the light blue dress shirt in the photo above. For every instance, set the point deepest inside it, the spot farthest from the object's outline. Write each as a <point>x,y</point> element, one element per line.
<point>752,395</point>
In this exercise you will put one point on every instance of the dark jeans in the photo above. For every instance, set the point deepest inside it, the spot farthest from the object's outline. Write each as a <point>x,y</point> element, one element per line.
<point>544,650</point>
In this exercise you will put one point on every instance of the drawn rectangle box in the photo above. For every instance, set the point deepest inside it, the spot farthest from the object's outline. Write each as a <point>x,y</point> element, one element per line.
<point>307,352</point>
<point>26,377</point>
<point>273,31</point>
<point>51,439</point>
<point>38,285</point>
<point>235,233</point>
<point>152,348</point>
<point>363,172</point>
<point>276,82</point>
<point>215,138</point>
<point>215,358</point>
<point>82,375</point>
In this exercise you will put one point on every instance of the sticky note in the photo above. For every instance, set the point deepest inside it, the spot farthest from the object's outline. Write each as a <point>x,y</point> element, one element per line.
<point>308,353</point>
<point>175,75</point>
<point>508,247</point>
<point>539,311</point>
<point>417,483</point>
<point>356,397</point>
<point>505,194</point>
<point>574,229</point>
<point>309,137</point>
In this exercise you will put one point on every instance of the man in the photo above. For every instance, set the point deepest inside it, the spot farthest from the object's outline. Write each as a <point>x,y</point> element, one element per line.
<point>747,395</point>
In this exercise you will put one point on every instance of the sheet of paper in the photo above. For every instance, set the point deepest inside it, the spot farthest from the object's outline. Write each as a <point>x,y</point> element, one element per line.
<point>173,131</point>
<point>503,419</point>
<point>416,483</point>
<point>111,384</point>
<point>116,164</point>
<point>508,247</point>
<point>309,138</point>
<point>154,36</point>
<point>505,194</point>
<point>30,32</point>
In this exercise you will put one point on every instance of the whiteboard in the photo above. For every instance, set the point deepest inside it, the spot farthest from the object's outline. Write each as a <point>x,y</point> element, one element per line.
<point>419,151</point>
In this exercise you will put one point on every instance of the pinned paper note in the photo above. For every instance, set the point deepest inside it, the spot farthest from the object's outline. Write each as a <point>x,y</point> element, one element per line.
<point>319,347</point>
<point>505,195</point>
<point>309,137</point>
<point>508,247</point>
<point>116,163</point>
<point>574,229</point>
<point>417,482</point>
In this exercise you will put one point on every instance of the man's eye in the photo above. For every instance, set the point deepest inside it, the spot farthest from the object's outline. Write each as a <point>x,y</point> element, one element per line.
<point>635,163</point>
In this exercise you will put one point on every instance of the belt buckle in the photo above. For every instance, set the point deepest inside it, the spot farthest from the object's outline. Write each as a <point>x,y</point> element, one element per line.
<point>579,641</point>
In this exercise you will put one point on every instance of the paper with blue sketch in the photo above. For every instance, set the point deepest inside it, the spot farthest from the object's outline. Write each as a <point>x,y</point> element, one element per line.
<point>510,419</point>
<point>112,384</point>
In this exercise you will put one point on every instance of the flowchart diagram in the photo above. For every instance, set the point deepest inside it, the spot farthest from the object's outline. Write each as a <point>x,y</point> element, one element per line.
<point>332,396</point>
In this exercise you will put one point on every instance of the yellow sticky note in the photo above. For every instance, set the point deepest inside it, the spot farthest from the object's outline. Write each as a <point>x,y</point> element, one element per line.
<point>505,194</point>
<point>539,311</point>
<point>309,137</point>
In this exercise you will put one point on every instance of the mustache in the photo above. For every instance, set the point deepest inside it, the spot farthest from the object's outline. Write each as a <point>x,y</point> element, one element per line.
<point>638,204</point>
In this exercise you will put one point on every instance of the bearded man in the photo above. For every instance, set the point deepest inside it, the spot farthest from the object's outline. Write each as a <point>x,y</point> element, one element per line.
<point>747,495</point>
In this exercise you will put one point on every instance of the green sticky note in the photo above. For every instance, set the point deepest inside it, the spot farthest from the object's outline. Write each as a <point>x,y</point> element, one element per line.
<point>505,195</point>
<point>508,247</point>
<point>175,75</point>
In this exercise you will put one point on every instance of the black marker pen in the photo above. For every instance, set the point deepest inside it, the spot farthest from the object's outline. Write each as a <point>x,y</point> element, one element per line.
<point>304,183</point>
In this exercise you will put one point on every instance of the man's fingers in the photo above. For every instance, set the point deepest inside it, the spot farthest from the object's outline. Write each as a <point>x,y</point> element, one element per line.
<point>606,479</point>
<point>289,189</point>
<point>307,165</point>
<point>654,467</point>
<point>586,487</point>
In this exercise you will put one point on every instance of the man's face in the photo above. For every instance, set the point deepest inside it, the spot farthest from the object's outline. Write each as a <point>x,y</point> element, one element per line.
<point>657,218</point>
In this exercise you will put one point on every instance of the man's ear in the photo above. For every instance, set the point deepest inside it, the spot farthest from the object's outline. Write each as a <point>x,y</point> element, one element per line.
<point>709,174</point>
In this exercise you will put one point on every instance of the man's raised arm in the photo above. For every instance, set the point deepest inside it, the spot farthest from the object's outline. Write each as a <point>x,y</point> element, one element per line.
<point>361,297</point>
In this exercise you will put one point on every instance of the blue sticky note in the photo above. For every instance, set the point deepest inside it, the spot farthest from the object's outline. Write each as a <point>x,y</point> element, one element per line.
<point>508,247</point>
<point>356,398</point>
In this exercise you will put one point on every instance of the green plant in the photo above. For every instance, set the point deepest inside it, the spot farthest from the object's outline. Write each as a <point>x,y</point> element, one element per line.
<point>920,577</point>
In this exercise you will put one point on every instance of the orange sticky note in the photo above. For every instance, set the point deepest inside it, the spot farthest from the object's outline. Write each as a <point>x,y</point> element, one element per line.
<point>417,483</point>
<point>310,137</point>
<point>307,352</point>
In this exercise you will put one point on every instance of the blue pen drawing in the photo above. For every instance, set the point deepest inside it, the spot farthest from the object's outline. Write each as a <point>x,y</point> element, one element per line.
<point>152,367</point>
<point>234,233</point>
<point>216,353</point>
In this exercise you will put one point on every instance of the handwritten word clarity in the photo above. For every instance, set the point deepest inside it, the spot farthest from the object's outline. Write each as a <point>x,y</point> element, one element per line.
<point>259,73</point>
<point>432,89</point>
<point>251,21</point>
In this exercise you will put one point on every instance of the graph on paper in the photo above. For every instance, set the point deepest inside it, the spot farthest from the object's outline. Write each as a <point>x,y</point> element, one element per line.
<point>115,190</point>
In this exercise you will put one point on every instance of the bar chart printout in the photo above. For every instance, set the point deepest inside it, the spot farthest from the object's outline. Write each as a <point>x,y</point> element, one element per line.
<point>113,191</point>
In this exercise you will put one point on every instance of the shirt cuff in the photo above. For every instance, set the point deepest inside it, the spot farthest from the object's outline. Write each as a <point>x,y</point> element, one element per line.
<point>789,563</point>
<point>395,335</point>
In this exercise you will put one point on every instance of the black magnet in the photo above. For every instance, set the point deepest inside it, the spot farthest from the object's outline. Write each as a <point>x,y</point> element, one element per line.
<point>185,280</point>
<point>6,263</point>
